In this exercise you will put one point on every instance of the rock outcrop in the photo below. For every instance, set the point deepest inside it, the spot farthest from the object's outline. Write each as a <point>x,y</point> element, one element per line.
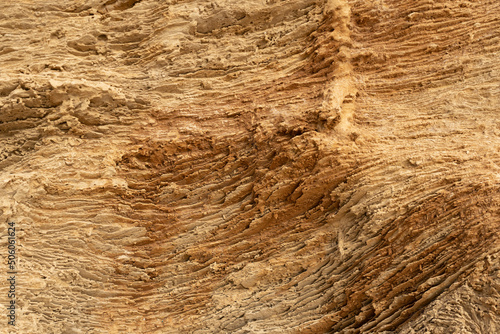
<point>301,166</point>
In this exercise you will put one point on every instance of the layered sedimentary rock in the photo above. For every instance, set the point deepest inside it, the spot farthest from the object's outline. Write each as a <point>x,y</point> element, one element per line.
<point>252,167</point>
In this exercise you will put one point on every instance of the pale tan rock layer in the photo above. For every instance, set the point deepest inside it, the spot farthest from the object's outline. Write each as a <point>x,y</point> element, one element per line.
<point>252,167</point>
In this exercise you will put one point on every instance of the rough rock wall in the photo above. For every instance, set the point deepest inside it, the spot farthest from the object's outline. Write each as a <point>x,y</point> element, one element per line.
<point>299,166</point>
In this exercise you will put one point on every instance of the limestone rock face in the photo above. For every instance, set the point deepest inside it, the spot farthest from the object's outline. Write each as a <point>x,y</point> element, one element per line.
<point>261,166</point>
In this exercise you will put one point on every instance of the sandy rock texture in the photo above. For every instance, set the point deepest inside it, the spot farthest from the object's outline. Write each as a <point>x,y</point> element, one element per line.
<point>261,166</point>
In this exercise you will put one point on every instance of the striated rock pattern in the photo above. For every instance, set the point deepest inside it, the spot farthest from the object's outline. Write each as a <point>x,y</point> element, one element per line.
<point>278,166</point>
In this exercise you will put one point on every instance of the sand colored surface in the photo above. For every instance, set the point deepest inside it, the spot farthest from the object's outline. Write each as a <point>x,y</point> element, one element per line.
<point>251,167</point>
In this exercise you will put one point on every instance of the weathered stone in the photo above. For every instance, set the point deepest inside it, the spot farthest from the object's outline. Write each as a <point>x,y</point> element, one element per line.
<point>301,166</point>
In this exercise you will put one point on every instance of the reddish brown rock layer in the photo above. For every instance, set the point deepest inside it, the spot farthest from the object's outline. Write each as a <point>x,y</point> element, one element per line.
<point>258,167</point>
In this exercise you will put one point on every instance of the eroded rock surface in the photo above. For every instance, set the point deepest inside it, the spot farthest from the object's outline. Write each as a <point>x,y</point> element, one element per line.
<point>299,166</point>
